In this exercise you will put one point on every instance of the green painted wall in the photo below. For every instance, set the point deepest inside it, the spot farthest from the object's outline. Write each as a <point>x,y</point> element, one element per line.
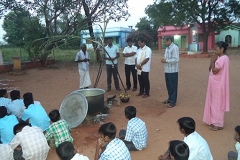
<point>235,34</point>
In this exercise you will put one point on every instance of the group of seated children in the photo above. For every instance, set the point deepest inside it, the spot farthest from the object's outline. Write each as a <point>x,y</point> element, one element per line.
<point>22,120</point>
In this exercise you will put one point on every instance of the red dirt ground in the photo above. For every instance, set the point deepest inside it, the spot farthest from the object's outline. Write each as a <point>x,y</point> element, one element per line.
<point>50,86</point>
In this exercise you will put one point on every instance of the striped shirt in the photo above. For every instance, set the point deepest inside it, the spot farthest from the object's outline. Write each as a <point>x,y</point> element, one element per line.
<point>172,58</point>
<point>137,133</point>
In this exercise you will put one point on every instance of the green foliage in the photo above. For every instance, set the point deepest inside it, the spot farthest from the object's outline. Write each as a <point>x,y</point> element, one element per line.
<point>135,35</point>
<point>210,15</point>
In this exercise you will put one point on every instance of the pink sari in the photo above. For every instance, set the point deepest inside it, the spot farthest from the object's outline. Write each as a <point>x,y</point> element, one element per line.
<point>217,98</point>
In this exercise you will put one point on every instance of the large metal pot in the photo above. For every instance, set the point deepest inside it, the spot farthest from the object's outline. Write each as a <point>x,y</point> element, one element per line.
<point>95,99</point>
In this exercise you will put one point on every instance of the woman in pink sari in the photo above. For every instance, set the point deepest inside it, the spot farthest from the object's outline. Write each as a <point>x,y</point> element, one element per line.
<point>217,98</point>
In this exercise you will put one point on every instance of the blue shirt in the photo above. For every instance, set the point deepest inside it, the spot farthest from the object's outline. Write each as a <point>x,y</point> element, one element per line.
<point>16,107</point>
<point>37,116</point>
<point>4,101</point>
<point>137,133</point>
<point>112,51</point>
<point>6,128</point>
<point>116,150</point>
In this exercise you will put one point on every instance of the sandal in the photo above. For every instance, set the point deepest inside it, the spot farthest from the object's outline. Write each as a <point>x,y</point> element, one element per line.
<point>215,128</point>
<point>139,94</point>
<point>166,102</point>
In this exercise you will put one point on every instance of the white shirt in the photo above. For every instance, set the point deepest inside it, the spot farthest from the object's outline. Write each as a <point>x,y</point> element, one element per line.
<point>130,60</point>
<point>112,51</point>
<point>81,56</point>
<point>33,142</point>
<point>78,156</point>
<point>148,53</point>
<point>237,146</point>
<point>6,152</point>
<point>172,58</point>
<point>198,147</point>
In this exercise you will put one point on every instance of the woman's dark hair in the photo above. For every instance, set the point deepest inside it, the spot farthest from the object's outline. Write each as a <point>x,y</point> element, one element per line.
<point>54,115</point>
<point>223,45</point>
<point>179,150</point>
<point>15,94</point>
<point>130,112</point>
<point>108,129</point>
<point>187,123</point>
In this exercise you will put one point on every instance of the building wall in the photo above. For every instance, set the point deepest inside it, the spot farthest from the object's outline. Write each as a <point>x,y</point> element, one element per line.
<point>235,34</point>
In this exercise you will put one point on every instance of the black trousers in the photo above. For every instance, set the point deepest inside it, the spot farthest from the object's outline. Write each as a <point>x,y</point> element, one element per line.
<point>172,86</point>
<point>112,71</point>
<point>128,70</point>
<point>144,83</point>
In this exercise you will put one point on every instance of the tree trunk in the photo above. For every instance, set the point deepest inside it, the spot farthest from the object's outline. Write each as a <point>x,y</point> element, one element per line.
<point>205,41</point>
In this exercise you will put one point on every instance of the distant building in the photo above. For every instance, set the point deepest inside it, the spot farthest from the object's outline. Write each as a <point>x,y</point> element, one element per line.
<point>119,35</point>
<point>230,35</point>
<point>183,36</point>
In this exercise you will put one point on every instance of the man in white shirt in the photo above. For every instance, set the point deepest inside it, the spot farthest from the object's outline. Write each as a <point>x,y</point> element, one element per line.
<point>198,147</point>
<point>142,62</point>
<point>82,58</point>
<point>111,56</point>
<point>32,141</point>
<point>170,61</point>
<point>129,53</point>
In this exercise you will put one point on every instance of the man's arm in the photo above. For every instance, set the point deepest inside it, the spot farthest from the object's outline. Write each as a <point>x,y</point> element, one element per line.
<point>15,142</point>
<point>99,144</point>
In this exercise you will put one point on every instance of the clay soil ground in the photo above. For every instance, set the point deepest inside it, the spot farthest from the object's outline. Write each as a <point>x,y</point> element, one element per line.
<point>50,86</point>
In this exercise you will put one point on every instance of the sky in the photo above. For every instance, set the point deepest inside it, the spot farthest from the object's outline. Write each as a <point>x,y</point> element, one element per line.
<point>136,10</point>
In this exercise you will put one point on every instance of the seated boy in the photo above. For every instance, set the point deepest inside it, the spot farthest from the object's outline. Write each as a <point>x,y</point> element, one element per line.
<point>4,100</point>
<point>136,135</point>
<point>16,107</point>
<point>198,146</point>
<point>178,150</point>
<point>58,130</point>
<point>33,143</point>
<point>111,147</point>
<point>6,125</point>
<point>235,155</point>
<point>66,151</point>
<point>36,114</point>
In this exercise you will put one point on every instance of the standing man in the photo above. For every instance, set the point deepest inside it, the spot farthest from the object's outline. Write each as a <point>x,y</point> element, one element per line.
<point>142,62</point>
<point>112,69</point>
<point>129,53</point>
<point>170,60</point>
<point>82,58</point>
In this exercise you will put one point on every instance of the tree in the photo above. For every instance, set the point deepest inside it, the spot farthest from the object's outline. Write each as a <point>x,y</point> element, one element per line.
<point>147,26</point>
<point>210,15</point>
<point>62,18</point>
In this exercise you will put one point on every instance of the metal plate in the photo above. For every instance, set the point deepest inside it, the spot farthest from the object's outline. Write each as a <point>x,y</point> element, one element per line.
<point>74,109</point>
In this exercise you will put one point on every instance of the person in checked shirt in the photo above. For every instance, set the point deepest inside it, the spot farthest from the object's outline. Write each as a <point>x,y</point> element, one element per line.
<point>58,130</point>
<point>136,135</point>
<point>111,148</point>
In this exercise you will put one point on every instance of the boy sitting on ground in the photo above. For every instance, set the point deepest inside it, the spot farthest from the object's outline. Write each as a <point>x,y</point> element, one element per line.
<point>232,155</point>
<point>16,107</point>
<point>136,135</point>
<point>4,100</point>
<point>66,151</point>
<point>59,129</point>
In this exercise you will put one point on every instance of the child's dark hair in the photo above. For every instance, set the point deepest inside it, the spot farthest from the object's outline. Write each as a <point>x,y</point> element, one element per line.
<point>130,112</point>
<point>2,92</point>
<point>54,115</point>
<point>18,127</point>
<point>3,111</point>
<point>223,45</point>
<point>187,123</point>
<point>179,150</point>
<point>28,101</point>
<point>28,95</point>
<point>65,151</point>
<point>108,129</point>
<point>15,94</point>
<point>237,129</point>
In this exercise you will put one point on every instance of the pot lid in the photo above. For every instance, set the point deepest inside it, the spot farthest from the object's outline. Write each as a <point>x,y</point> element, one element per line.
<point>74,109</point>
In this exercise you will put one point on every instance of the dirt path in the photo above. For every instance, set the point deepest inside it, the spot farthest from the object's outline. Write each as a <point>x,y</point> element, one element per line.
<point>51,86</point>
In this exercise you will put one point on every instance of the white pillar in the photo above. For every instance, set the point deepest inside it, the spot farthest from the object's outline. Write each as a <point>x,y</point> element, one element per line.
<point>1,58</point>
